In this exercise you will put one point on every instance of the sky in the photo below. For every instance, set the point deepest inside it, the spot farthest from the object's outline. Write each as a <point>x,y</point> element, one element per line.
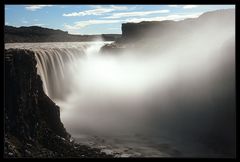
<point>98,19</point>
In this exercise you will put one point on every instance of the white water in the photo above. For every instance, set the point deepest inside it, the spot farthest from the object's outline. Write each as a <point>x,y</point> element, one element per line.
<point>52,60</point>
<point>108,101</point>
<point>145,104</point>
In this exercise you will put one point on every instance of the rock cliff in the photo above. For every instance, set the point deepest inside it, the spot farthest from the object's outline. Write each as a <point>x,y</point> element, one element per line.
<point>149,36</point>
<point>32,120</point>
<point>159,29</point>
<point>40,34</point>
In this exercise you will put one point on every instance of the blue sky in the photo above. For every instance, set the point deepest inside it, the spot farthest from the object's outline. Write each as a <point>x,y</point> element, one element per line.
<point>98,19</point>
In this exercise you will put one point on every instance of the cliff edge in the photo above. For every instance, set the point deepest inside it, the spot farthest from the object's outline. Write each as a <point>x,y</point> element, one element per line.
<point>32,120</point>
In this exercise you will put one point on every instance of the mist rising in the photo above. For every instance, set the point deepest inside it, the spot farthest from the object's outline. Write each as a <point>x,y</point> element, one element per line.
<point>176,84</point>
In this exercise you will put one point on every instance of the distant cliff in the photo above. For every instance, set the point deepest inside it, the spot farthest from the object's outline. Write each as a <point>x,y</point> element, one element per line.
<point>40,34</point>
<point>159,29</point>
<point>140,36</point>
<point>32,120</point>
<point>213,33</point>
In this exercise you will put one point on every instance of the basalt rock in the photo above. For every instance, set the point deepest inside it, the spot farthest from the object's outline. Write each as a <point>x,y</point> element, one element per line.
<point>32,120</point>
<point>156,30</point>
<point>151,36</point>
<point>40,34</point>
<point>112,49</point>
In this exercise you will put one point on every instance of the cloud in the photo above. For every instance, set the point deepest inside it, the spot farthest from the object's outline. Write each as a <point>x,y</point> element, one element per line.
<point>169,17</point>
<point>113,28</point>
<point>189,6</point>
<point>173,5</point>
<point>99,10</point>
<point>24,22</point>
<point>39,24</point>
<point>82,24</point>
<point>134,14</point>
<point>6,23</point>
<point>119,7</point>
<point>36,7</point>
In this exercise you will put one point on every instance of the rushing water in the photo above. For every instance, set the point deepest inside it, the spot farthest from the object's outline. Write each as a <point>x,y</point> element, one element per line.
<point>131,106</point>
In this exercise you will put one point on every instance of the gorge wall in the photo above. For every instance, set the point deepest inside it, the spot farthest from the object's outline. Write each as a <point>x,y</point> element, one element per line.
<point>32,120</point>
<point>203,52</point>
<point>151,36</point>
<point>40,34</point>
<point>173,29</point>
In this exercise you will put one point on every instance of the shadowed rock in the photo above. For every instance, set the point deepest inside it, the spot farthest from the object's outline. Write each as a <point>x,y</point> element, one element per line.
<point>32,120</point>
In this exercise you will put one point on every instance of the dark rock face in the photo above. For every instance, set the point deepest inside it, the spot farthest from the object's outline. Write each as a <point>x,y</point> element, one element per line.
<point>32,120</point>
<point>159,29</point>
<point>136,31</point>
<point>25,99</point>
<point>40,34</point>
<point>111,49</point>
<point>145,37</point>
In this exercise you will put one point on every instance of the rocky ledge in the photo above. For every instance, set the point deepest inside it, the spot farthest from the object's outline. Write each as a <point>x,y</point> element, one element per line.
<point>32,120</point>
<point>40,34</point>
<point>142,36</point>
<point>112,48</point>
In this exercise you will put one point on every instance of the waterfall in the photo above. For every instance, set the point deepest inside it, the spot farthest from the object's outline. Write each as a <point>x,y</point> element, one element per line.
<point>52,59</point>
<point>169,96</point>
<point>51,64</point>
